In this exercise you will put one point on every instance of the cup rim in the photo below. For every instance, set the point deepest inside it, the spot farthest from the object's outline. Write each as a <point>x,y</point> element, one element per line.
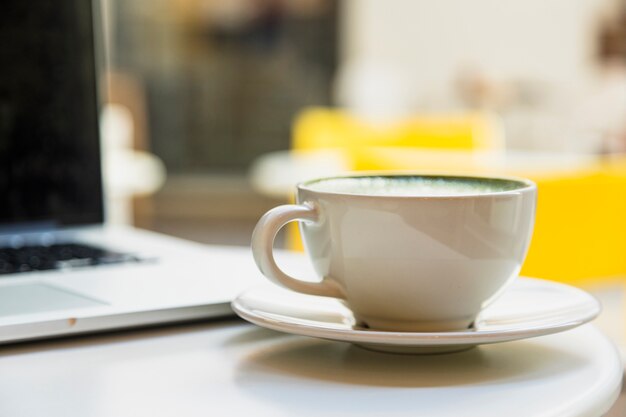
<point>524,185</point>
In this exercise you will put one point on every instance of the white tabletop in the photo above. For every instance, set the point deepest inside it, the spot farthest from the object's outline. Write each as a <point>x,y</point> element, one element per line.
<point>233,368</point>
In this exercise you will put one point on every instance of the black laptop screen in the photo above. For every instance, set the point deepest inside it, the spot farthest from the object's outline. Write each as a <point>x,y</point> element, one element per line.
<point>49,147</point>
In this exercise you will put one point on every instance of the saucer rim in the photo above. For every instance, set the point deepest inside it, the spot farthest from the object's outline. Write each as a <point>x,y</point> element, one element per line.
<point>461,337</point>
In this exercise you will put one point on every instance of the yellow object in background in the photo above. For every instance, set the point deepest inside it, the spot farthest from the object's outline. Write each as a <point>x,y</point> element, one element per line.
<point>580,230</point>
<point>320,128</point>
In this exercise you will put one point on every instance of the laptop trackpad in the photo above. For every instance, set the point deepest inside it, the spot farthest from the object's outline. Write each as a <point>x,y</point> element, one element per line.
<point>40,298</point>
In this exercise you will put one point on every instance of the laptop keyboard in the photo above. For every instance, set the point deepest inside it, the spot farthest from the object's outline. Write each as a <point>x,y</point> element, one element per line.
<point>57,256</point>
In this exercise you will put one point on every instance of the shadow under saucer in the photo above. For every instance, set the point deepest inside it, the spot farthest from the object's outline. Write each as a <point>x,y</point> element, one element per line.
<point>307,358</point>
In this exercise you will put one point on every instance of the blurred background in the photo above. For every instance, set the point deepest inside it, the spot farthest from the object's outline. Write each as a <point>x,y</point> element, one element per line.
<point>226,98</point>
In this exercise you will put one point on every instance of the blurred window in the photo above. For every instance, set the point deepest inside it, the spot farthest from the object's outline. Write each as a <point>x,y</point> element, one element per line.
<point>222,80</point>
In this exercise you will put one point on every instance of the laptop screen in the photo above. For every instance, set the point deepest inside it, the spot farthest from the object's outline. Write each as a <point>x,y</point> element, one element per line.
<point>49,145</point>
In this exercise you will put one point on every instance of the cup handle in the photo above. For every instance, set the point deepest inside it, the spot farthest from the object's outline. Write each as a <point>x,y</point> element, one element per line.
<point>262,250</point>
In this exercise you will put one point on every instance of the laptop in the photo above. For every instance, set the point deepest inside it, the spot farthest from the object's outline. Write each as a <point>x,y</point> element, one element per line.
<point>63,271</point>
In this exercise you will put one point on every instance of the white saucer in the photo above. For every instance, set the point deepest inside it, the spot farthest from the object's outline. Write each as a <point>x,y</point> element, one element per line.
<point>529,308</point>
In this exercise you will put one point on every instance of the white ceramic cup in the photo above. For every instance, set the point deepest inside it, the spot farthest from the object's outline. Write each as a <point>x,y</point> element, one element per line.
<point>413,263</point>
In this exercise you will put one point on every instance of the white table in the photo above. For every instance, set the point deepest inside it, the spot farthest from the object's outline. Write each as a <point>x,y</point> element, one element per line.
<point>233,368</point>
